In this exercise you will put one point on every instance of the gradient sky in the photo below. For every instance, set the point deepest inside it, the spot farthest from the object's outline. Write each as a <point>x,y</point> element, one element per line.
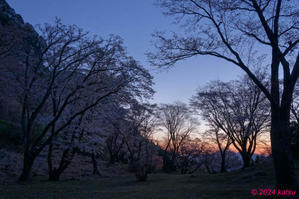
<point>134,21</point>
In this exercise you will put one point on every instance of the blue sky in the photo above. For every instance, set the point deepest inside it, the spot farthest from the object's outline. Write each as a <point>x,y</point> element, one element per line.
<point>134,21</point>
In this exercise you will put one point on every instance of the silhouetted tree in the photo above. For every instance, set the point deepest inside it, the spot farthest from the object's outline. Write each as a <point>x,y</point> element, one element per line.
<point>188,151</point>
<point>240,32</point>
<point>178,123</point>
<point>72,74</point>
<point>223,142</point>
<point>239,109</point>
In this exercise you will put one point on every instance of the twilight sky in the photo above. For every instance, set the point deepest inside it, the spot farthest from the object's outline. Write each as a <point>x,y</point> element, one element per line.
<point>134,21</point>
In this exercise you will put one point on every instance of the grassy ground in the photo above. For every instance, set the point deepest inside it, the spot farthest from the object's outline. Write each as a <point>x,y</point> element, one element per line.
<point>234,185</point>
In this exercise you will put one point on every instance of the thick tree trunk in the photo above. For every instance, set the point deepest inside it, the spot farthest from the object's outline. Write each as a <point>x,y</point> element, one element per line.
<point>246,160</point>
<point>28,156</point>
<point>168,164</point>
<point>281,152</point>
<point>95,165</point>
<point>223,169</point>
<point>27,167</point>
<point>55,175</point>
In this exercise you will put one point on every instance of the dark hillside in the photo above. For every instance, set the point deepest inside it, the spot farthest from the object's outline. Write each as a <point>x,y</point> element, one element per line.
<point>233,185</point>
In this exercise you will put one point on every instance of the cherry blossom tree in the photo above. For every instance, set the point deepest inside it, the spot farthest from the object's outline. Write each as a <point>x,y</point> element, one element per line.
<point>133,126</point>
<point>72,74</point>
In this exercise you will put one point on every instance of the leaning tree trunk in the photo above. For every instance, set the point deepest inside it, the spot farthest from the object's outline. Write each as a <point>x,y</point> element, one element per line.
<point>281,151</point>
<point>29,157</point>
<point>65,161</point>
